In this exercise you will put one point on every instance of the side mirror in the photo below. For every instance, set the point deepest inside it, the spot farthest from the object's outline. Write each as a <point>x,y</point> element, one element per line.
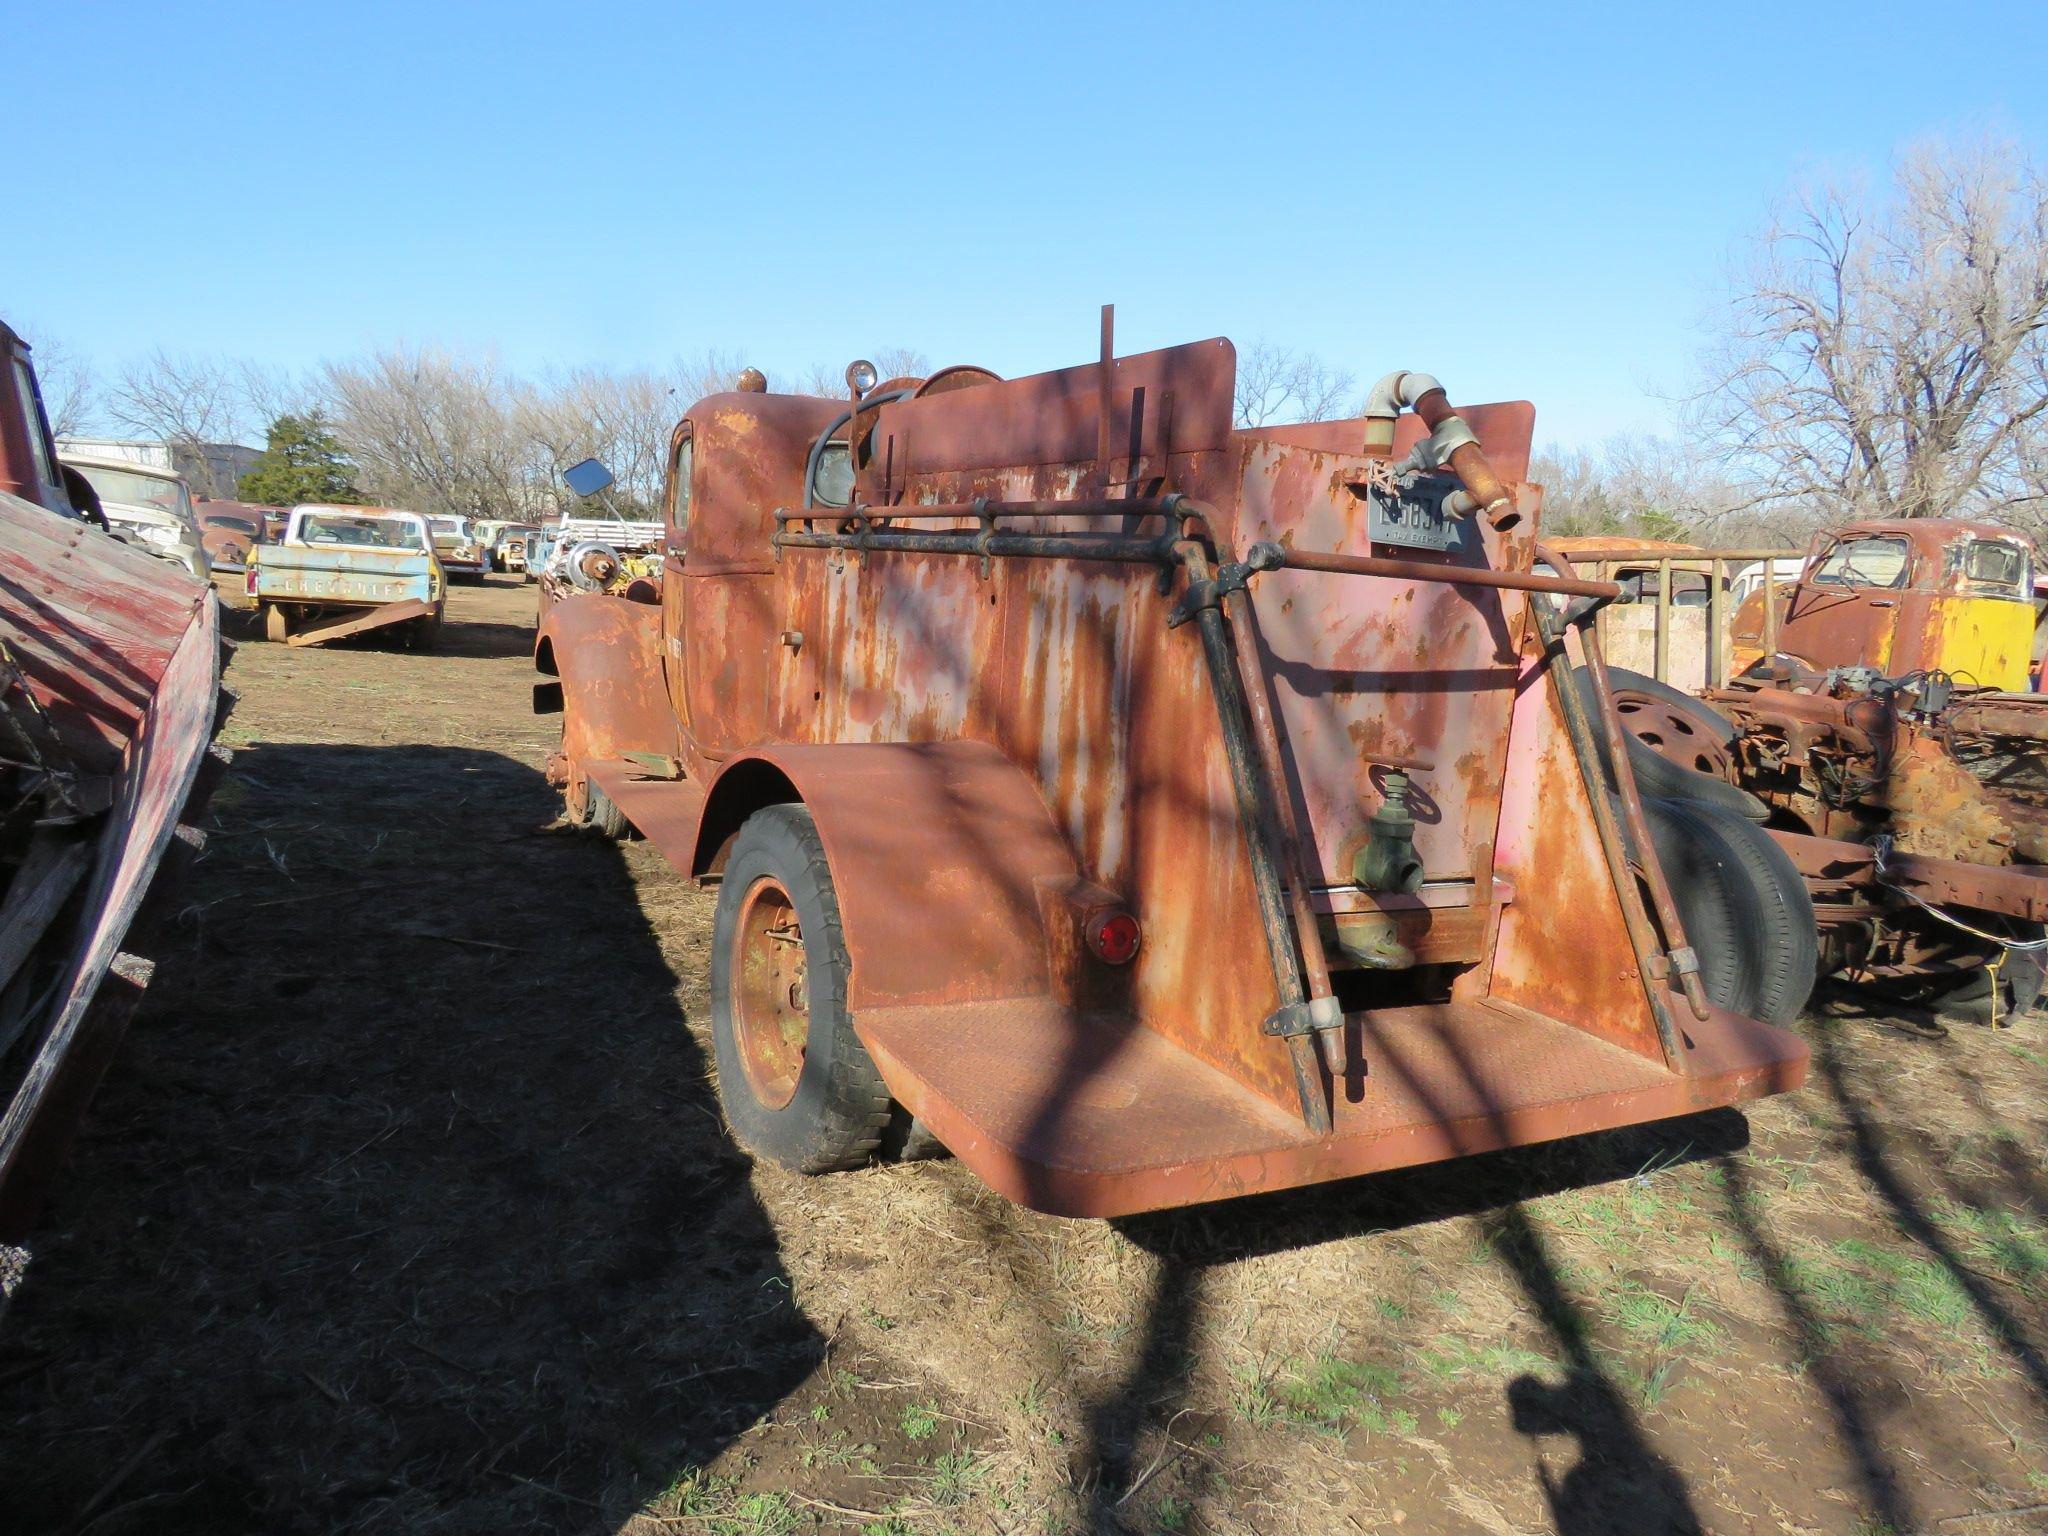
<point>588,478</point>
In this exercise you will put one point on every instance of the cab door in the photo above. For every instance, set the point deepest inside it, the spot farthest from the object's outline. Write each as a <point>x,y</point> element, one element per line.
<point>1845,611</point>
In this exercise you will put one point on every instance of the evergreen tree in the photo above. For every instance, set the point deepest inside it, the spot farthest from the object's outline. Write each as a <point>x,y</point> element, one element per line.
<point>302,462</point>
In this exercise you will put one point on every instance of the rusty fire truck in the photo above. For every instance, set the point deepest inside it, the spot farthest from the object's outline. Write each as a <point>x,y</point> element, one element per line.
<point>1153,811</point>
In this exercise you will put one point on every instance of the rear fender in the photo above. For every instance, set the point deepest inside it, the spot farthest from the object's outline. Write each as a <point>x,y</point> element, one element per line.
<point>606,658</point>
<point>953,883</point>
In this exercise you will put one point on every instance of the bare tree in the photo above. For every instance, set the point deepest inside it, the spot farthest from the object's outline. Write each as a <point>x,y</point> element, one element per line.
<point>70,389</point>
<point>1276,383</point>
<point>184,403</point>
<point>267,393</point>
<point>1575,498</point>
<point>436,432</point>
<point>1889,357</point>
<point>711,371</point>
<point>623,419</point>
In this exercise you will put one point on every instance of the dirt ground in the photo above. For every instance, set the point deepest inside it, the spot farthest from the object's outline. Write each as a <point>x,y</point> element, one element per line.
<point>407,1208</point>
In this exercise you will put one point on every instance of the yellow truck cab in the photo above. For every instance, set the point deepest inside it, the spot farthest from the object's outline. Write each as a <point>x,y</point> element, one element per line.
<point>1905,595</point>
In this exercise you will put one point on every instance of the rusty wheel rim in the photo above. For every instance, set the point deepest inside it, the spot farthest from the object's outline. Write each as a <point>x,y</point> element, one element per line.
<point>576,799</point>
<point>771,1012</point>
<point>1671,733</point>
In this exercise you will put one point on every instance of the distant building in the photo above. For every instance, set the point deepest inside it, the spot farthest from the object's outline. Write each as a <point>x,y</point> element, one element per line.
<point>211,469</point>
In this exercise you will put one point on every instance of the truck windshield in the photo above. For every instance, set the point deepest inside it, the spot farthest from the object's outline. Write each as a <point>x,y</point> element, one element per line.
<point>1872,562</point>
<point>448,526</point>
<point>364,532</point>
<point>132,488</point>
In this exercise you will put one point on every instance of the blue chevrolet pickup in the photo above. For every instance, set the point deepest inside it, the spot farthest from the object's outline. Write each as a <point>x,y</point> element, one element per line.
<point>342,571</point>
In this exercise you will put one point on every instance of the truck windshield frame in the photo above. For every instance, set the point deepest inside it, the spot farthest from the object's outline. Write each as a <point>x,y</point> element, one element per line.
<point>137,486</point>
<point>1993,568</point>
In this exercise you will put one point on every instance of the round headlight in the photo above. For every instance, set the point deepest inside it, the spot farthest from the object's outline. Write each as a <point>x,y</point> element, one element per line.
<point>861,375</point>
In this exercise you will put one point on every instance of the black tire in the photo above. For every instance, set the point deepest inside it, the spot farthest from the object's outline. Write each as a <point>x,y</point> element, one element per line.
<point>598,812</point>
<point>1746,912</point>
<point>838,1107</point>
<point>1657,776</point>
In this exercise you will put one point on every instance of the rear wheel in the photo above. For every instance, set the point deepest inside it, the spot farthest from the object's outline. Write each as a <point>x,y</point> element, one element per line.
<point>1746,911</point>
<point>797,1086</point>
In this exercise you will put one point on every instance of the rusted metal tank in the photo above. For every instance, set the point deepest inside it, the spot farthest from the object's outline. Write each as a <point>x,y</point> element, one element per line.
<point>1154,811</point>
<point>109,698</point>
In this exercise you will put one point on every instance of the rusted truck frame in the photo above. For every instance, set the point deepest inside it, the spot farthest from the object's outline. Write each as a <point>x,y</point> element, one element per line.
<point>109,699</point>
<point>1912,797</point>
<point>1194,810</point>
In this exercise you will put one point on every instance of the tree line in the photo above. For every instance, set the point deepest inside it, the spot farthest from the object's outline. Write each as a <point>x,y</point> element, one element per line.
<point>1882,351</point>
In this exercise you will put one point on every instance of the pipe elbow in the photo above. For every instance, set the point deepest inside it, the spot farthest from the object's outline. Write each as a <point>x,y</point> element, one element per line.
<point>1385,401</point>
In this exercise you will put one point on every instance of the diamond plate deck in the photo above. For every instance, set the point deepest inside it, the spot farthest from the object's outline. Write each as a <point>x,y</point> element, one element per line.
<point>1084,1115</point>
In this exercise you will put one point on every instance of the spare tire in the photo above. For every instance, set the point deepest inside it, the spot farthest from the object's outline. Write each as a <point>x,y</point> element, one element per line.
<point>1746,911</point>
<point>1658,775</point>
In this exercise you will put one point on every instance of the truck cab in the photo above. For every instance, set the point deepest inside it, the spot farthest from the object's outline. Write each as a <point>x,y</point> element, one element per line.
<point>1907,595</point>
<point>29,466</point>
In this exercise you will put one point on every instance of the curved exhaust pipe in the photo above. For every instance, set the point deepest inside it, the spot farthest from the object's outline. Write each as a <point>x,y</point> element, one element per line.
<point>1450,443</point>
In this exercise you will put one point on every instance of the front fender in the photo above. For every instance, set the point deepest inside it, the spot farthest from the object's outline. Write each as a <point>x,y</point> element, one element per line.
<point>606,656</point>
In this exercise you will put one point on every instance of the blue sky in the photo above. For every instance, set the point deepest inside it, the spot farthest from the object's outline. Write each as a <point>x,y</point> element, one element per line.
<point>1532,201</point>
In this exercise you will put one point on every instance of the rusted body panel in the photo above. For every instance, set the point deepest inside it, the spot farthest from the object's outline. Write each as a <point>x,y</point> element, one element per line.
<point>113,669</point>
<point>109,698</point>
<point>993,736</point>
<point>1878,723</point>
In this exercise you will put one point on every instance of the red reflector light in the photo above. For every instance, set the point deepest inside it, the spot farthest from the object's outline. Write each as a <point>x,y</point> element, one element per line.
<point>249,581</point>
<point>1114,937</point>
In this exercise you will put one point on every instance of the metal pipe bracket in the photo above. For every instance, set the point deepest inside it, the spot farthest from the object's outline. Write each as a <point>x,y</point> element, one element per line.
<point>1234,577</point>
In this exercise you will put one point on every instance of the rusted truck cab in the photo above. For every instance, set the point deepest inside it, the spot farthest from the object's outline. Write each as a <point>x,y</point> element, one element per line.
<point>1908,595</point>
<point>29,466</point>
<point>1154,811</point>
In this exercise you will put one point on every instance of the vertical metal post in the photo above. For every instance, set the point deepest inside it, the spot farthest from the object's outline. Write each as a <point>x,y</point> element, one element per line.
<point>1717,613</point>
<point>1660,656</point>
<point>1259,811</point>
<point>1105,380</point>
<point>1770,608</point>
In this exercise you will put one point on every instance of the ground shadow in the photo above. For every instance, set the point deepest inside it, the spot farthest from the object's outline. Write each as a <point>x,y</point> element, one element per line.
<point>408,1206</point>
<point>1619,1484</point>
<point>1893,1178</point>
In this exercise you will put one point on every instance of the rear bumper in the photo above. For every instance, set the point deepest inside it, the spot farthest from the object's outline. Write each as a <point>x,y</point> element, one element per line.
<point>1082,1115</point>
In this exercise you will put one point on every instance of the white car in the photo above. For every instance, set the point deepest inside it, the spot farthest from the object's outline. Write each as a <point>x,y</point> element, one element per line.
<point>1751,576</point>
<point>150,508</point>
